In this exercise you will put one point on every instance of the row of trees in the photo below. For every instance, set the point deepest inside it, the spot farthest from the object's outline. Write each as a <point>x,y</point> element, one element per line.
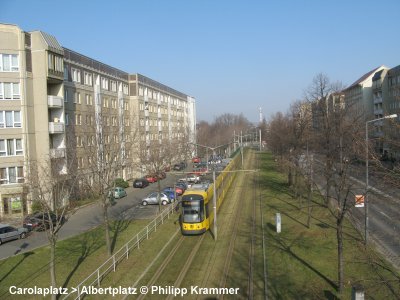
<point>96,156</point>
<point>221,131</point>
<point>333,129</point>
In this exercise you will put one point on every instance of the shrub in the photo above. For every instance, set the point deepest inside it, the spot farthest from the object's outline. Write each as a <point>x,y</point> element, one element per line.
<point>36,206</point>
<point>119,182</point>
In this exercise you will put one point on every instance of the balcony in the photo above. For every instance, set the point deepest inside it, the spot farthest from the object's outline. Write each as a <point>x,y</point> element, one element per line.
<point>378,100</point>
<point>56,127</point>
<point>55,101</point>
<point>57,153</point>
<point>378,111</point>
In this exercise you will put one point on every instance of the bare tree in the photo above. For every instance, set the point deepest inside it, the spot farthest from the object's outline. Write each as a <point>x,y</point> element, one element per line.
<point>105,149</point>
<point>338,128</point>
<point>155,156</point>
<point>50,188</point>
<point>221,130</point>
<point>317,95</point>
<point>277,138</point>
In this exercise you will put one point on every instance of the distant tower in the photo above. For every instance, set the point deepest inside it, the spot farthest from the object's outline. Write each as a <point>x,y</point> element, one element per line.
<point>261,116</point>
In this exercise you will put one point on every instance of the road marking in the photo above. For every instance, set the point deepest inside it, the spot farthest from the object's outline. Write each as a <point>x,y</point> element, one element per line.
<point>385,214</point>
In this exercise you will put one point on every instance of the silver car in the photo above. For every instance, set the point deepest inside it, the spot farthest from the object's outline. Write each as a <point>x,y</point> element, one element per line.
<point>8,232</point>
<point>152,199</point>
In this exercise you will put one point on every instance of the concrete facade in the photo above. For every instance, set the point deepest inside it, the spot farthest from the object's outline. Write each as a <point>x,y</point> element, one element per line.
<point>57,104</point>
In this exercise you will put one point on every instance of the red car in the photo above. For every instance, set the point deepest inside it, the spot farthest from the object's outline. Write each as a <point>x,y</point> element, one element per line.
<point>196,160</point>
<point>151,178</point>
<point>178,190</point>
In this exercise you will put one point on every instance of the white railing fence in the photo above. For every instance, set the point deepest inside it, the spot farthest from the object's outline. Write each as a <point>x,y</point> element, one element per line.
<point>123,253</point>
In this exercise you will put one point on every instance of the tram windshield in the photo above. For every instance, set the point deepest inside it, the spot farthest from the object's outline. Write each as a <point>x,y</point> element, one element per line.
<point>192,211</point>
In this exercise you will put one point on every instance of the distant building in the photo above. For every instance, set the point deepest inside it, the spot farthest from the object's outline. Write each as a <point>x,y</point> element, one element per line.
<point>392,106</point>
<point>360,93</point>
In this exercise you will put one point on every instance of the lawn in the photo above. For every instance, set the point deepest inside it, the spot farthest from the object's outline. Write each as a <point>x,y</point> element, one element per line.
<point>302,261</point>
<point>76,258</point>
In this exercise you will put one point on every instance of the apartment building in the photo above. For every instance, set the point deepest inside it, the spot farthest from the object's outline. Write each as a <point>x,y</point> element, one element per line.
<point>62,109</point>
<point>360,92</point>
<point>164,114</point>
<point>392,106</point>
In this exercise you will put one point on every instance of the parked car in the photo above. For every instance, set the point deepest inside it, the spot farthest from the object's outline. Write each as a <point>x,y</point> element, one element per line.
<point>170,195</point>
<point>182,184</point>
<point>192,178</point>
<point>179,190</point>
<point>152,199</point>
<point>140,183</point>
<point>41,221</point>
<point>178,167</point>
<point>161,175</point>
<point>117,192</point>
<point>196,160</point>
<point>151,178</point>
<point>8,233</point>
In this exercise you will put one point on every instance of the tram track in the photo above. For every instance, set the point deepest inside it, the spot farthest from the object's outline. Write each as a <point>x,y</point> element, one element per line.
<point>229,262</point>
<point>241,215</point>
<point>174,254</point>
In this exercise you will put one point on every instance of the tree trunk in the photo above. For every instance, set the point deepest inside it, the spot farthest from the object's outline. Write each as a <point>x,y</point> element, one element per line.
<point>309,195</point>
<point>53,266</point>
<point>159,195</point>
<point>290,176</point>
<point>339,235</point>
<point>107,227</point>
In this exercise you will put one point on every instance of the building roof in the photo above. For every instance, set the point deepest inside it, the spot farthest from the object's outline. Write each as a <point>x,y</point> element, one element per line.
<point>52,43</point>
<point>395,70</point>
<point>362,78</point>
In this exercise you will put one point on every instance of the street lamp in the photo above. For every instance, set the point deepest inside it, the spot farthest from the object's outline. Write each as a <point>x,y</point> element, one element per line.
<point>214,188</point>
<point>366,171</point>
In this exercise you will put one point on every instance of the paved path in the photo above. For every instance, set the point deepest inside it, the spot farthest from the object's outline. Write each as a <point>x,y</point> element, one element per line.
<point>90,216</point>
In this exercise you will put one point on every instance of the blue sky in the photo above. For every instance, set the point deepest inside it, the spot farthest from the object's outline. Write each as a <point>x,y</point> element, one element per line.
<point>232,56</point>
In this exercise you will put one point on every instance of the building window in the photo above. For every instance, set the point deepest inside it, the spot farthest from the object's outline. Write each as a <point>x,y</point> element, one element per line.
<point>125,89</point>
<point>65,95</point>
<point>55,62</point>
<point>9,91</point>
<point>9,63</point>
<point>10,119</point>
<point>76,75</point>
<point>66,73</point>
<point>88,78</point>
<point>88,99</point>
<point>78,119</point>
<point>11,147</point>
<point>113,86</point>
<point>104,83</point>
<point>77,98</point>
<point>11,175</point>
<point>80,162</point>
<point>66,119</point>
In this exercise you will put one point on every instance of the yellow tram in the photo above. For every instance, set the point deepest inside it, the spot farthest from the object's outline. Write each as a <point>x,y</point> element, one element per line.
<point>197,205</point>
<point>195,212</point>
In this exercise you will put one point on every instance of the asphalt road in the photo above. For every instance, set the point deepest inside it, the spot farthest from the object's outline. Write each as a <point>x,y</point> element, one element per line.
<point>90,216</point>
<point>383,212</point>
